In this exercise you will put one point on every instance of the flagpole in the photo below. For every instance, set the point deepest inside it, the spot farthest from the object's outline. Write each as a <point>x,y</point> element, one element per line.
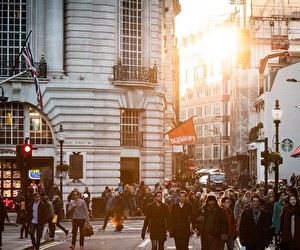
<point>13,77</point>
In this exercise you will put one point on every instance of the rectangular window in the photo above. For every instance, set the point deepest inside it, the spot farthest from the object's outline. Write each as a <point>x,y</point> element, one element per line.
<point>199,130</point>
<point>207,152</point>
<point>217,108</point>
<point>216,152</point>
<point>199,111</point>
<point>207,110</point>
<point>131,32</point>
<point>130,123</point>
<point>199,152</point>
<point>12,33</point>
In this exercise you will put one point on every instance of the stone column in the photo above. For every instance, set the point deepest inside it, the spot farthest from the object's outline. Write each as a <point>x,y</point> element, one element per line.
<point>55,37</point>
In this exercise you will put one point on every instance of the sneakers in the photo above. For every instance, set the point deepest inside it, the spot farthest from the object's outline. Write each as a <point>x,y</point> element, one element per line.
<point>72,247</point>
<point>101,230</point>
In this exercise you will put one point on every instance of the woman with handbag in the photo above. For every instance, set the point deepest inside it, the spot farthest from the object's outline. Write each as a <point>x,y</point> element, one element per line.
<point>79,210</point>
<point>57,205</point>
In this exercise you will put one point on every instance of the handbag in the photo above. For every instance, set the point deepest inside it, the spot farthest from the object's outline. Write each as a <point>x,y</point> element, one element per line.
<point>54,220</point>
<point>45,234</point>
<point>88,230</point>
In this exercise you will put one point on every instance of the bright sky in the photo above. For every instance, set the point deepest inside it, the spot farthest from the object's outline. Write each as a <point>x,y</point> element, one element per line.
<point>196,14</point>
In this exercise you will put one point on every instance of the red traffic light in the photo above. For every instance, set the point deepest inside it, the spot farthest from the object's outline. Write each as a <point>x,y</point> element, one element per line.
<point>27,148</point>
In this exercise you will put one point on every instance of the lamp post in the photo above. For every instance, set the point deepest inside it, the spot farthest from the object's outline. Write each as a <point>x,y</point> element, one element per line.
<point>277,115</point>
<point>61,136</point>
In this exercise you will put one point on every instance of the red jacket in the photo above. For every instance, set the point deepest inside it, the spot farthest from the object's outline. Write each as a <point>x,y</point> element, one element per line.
<point>232,231</point>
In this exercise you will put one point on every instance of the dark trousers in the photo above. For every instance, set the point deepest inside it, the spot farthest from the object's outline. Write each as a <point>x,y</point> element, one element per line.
<point>182,243</point>
<point>157,245</point>
<point>25,228</point>
<point>60,226</point>
<point>0,238</point>
<point>38,230</point>
<point>209,243</point>
<point>51,228</point>
<point>108,214</point>
<point>78,223</point>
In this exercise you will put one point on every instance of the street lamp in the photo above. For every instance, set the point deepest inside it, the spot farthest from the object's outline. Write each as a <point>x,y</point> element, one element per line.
<point>277,115</point>
<point>61,136</point>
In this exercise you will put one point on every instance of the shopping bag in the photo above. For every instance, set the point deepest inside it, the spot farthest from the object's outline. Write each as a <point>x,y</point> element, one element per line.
<point>45,234</point>
<point>88,230</point>
<point>54,220</point>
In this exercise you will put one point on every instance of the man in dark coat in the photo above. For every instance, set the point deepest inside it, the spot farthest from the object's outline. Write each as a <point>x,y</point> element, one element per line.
<point>158,219</point>
<point>255,226</point>
<point>3,216</point>
<point>37,217</point>
<point>182,215</point>
<point>212,224</point>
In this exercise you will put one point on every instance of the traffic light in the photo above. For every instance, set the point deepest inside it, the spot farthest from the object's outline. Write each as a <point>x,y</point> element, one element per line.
<point>27,155</point>
<point>265,155</point>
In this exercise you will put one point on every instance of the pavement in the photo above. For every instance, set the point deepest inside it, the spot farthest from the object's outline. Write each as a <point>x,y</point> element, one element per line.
<point>11,235</point>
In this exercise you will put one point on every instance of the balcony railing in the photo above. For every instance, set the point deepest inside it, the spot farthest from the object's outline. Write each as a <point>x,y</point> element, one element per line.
<point>7,69</point>
<point>134,73</point>
<point>133,139</point>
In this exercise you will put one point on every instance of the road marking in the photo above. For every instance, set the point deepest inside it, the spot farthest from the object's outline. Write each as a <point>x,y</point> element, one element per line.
<point>52,244</point>
<point>144,244</point>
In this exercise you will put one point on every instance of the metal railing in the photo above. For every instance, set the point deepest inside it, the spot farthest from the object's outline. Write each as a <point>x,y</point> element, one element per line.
<point>135,73</point>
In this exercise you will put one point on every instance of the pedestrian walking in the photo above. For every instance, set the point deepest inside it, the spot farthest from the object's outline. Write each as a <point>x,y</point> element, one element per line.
<point>158,219</point>
<point>255,226</point>
<point>290,220</point>
<point>182,217</point>
<point>3,216</point>
<point>19,202</point>
<point>57,205</point>
<point>109,205</point>
<point>80,215</point>
<point>38,217</point>
<point>50,214</point>
<point>119,209</point>
<point>23,220</point>
<point>212,224</point>
<point>232,231</point>
<point>276,218</point>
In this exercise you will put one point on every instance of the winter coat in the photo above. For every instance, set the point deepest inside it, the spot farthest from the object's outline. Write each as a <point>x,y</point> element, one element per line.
<point>3,215</point>
<point>276,218</point>
<point>158,219</point>
<point>232,231</point>
<point>286,235</point>
<point>42,213</point>
<point>182,219</point>
<point>250,233</point>
<point>220,222</point>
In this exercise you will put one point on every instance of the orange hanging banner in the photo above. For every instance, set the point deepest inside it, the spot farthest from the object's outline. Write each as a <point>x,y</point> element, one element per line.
<point>183,134</point>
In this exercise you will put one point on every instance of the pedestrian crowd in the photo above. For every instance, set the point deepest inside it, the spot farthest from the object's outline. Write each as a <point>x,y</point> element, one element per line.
<point>253,215</point>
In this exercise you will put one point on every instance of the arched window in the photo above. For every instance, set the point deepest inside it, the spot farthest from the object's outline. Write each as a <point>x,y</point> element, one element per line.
<point>18,121</point>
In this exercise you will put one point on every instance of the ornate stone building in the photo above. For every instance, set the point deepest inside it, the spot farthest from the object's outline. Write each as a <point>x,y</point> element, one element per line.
<point>112,82</point>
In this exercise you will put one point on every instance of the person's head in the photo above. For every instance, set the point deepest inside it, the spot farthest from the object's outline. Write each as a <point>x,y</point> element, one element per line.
<point>211,200</point>
<point>75,194</point>
<point>86,189</point>
<point>182,196</point>
<point>226,202</point>
<point>282,195</point>
<point>292,200</point>
<point>158,196</point>
<point>255,200</point>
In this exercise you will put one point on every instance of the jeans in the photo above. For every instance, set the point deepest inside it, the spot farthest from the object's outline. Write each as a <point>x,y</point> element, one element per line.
<point>38,230</point>
<point>78,223</point>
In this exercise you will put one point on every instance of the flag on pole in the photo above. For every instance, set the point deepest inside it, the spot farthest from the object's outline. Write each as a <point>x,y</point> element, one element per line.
<point>29,59</point>
<point>183,134</point>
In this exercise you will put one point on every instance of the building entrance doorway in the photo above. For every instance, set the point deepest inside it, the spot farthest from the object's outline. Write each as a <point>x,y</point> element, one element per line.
<point>130,170</point>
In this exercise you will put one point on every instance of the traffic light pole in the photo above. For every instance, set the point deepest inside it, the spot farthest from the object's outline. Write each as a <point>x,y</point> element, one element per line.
<point>265,163</point>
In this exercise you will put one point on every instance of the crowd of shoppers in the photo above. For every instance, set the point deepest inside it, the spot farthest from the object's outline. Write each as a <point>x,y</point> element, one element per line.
<point>178,209</point>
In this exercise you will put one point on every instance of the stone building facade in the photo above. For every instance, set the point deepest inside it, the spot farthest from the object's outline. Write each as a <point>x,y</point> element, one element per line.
<point>111,82</point>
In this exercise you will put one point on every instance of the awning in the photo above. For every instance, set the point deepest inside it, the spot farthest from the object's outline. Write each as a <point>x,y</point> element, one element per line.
<point>296,153</point>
